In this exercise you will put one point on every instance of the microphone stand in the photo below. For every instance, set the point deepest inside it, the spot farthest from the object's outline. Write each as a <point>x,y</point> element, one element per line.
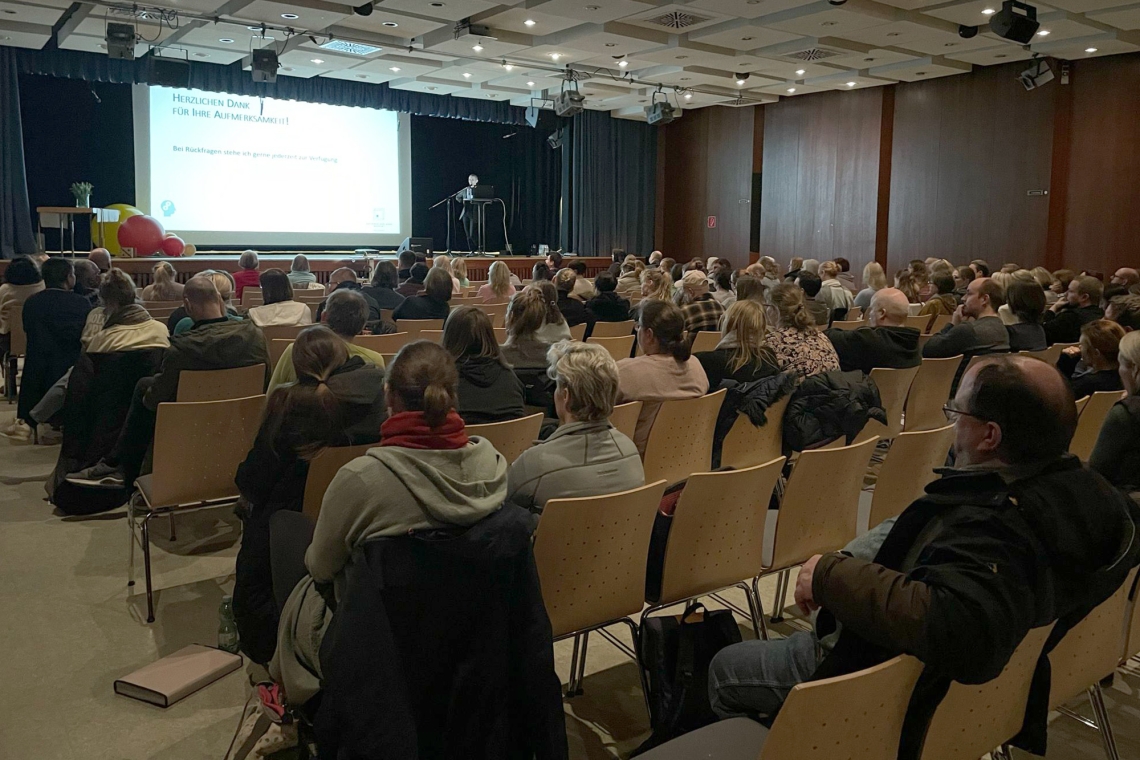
<point>448,200</point>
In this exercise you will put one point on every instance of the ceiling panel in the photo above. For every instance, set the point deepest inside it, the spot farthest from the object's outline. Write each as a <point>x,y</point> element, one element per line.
<point>282,14</point>
<point>676,19</point>
<point>402,66</point>
<point>923,68</point>
<point>380,22</point>
<point>1063,29</point>
<point>742,36</point>
<point>791,89</point>
<point>593,11</point>
<point>356,74</point>
<point>29,14</point>
<point>992,56</point>
<point>433,88</point>
<point>748,8</point>
<point>198,6</point>
<point>607,43</point>
<point>205,54</point>
<point>1078,49</point>
<point>970,12</point>
<point>242,37</point>
<point>490,49</point>
<point>1125,18</point>
<point>449,10</point>
<point>514,20</point>
<point>23,35</point>
<point>831,22</point>
<point>1084,6</point>
<point>792,70</point>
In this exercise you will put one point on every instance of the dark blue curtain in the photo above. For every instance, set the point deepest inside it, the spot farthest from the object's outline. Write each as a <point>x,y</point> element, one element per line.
<point>95,67</point>
<point>609,180</point>
<point>15,215</point>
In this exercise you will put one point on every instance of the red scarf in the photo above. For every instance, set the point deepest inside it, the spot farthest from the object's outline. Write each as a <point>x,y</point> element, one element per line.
<point>408,429</point>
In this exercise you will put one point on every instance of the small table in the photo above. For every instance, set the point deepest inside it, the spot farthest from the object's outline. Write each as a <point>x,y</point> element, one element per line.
<point>62,217</point>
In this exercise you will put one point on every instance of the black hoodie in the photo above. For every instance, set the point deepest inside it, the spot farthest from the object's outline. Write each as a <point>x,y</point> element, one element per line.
<point>488,391</point>
<point>870,347</point>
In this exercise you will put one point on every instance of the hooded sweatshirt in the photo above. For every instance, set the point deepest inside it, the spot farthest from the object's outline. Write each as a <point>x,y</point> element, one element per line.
<point>488,391</point>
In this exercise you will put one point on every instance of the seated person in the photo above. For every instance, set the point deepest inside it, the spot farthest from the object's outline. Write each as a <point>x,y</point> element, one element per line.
<point>22,278</point>
<point>665,371</point>
<point>414,285</point>
<point>498,288</point>
<point>583,290</point>
<point>1116,455</point>
<point>554,327</point>
<point>1097,352</point>
<point>885,342</point>
<point>384,285</point>
<point>164,286</point>
<point>101,258</point>
<point>572,310</point>
<point>214,342</point>
<point>338,400</point>
<point>742,354</point>
<point>724,294</point>
<point>943,302</point>
<point>607,305</point>
<point>540,272</point>
<point>1024,305</point>
<point>346,313</point>
<point>820,311</point>
<point>975,327</point>
<point>87,281</point>
<point>432,303</point>
<point>179,320</point>
<point>345,279</point>
<point>833,292</point>
<point>299,274</point>
<point>525,317</point>
<point>799,346</point>
<point>925,584</point>
<point>53,323</point>
<point>425,475</point>
<point>279,307</point>
<point>1079,306</point>
<point>488,390</point>
<point>247,275</point>
<point>404,263</point>
<point>1124,311</point>
<point>459,271</point>
<point>700,309</point>
<point>586,455</point>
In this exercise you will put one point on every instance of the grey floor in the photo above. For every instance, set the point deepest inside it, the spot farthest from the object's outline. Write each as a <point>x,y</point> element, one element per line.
<point>69,626</point>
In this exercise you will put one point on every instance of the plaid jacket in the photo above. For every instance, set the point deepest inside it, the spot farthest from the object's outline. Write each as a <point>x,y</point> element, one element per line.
<point>703,314</point>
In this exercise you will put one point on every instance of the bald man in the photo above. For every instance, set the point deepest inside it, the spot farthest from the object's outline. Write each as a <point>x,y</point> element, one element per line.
<point>213,342</point>
<point>101,258</point>
<point>1017,536</point>
<point>345,279</point>
<point>886,342</point>
<point>1126,277</point>
<point>87,280</point>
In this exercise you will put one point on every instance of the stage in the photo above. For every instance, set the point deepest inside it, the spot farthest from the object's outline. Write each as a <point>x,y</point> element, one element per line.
<point>323,264</point>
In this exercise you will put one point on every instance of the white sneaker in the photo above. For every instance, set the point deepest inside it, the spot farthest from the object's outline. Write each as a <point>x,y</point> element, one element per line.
<point>19,433</point>
<point>46,435</point>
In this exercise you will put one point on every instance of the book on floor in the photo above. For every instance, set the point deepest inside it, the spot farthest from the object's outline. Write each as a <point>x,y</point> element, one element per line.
<point>177,675</point>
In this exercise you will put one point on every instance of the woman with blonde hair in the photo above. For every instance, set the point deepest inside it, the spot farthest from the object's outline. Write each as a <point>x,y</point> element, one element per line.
<point>1045,279</point>
<point>498,288</point>
<point>439,261</point>
<point>1116,455</point>
<point>904,281</point>
<point>920,274</point>
<point>629,280</point>
<point>459,271</point>
<point>874,280</point>
<point>656,284</point>
<point>526,316</point>
<point>164,287</point>
<point>555,326</point>
<point>1099,349</point>
<point>798,345</point>
<point>742,354</point>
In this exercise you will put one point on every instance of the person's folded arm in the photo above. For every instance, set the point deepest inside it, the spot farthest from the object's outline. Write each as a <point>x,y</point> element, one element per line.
<point>951,341</point>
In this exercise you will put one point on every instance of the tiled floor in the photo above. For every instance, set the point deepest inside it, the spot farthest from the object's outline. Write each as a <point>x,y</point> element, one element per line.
<point>70,626</point>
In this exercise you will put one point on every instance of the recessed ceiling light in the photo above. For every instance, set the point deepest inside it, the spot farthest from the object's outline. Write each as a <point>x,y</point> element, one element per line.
<point>437,5</point>
<point>555,56</point>
<point>491,95</point>
<point>390,24</point>
<point>593,7</point>
<point>850,84</point>
<point>432,89</point>
<point>739,82</point>
<point>1001,55</point>
<point>1043,33</point>
<point>530,22</point>
<point>829,23</point>
<point>508,67</point>
<point>682,57</point>
<point>10,12</point>
<point>317,60</point>
<point>361,76</point>
<point>800,72</point>
<point>201,55</point>
<point>988,12</point>
<point>688,96</point>
<point>290,16</point>
<point>611,44</point>
<point>623,64</point>
<point>747,39</point>
<point>530,84</point>
<point>1090,50</point>
<point>477,48</point>
<point>753,2</point>
<point>226,40</point>
<point>894,34</point>
<point>286,68</point>
<point>100,44</point>
<point>394,68</point>
<point>466,74</point>
<point>920,73</point>
<point>254,28</point>
<point>791,89</point>
<point>949,44</point>
<point>685,79</point>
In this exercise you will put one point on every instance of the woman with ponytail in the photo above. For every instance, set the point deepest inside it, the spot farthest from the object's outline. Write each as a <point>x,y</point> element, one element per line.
<point>338,400</point>
<point>799,345</point>
<point>665,372</point>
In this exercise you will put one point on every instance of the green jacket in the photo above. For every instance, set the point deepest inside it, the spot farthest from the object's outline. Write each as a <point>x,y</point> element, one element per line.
<point>213,344</point>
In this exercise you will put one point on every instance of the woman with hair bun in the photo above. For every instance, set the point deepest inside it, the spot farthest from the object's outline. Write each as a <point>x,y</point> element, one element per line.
<point>665,372</point>
<point>798,345</point>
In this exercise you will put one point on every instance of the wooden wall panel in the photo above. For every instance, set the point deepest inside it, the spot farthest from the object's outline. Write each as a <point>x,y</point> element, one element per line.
<point>1102,221</point>
<point>966,150</point>
<point>821,166</point>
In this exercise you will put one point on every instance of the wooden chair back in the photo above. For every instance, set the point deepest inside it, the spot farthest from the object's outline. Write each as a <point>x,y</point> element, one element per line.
<point>413,327</point>
<point>939,322</point>
<point>893,385</point>
<point>855,313</point>
<point>198,447</point>
<point>919,322</point>
<point>1091,421</point>
<point>500,335</point>
<point>435,336</point>
<point>913,309</point>
<point>277,347</point>
<point>251,296</point>
<point>510,438</point>
<point>1049,355</point>
<point>929,392</point>
<point>221,384</point>
<point>681,440</point>
<point>322,469</point>
<point>282,332</point>
<point>1081,403</point>
<point>848,324</point>
<point>820,509</point>
<point>908,468</point>
<point>624,417</point>
<point>705,340</point>
<point>496,311</point>
<point>1090,651</point>
<point>717,536</point>
<point>747,445</point>
<point>619,348</point>
<point>973,719</point>
<point>613,329</point>
<point>1132,635</point>
<point>858,716</point>
<point>590,553</point>
<point>151,306</point>
<point>578,332</point>
<point>383,344</point>
<point>18,339</point>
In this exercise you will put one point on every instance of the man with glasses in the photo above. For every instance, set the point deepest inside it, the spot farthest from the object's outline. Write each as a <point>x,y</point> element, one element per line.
<point>1017,535</point>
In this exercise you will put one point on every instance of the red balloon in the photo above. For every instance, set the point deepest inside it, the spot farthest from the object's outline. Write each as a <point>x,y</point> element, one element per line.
<point>142,233</point>
<point>173,245</point>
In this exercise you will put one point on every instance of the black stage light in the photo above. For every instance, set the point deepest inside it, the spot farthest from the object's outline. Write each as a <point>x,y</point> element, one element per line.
<point>265,64</point>
<point>120,41</point>
<point>1011,25</point>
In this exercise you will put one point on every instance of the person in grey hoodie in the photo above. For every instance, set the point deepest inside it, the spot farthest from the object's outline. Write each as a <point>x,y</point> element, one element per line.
<point>489,391</point>
<point>425,475</point>
<point>586,455</point>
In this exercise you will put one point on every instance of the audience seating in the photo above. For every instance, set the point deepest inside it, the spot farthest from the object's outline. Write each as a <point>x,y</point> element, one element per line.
<point>282,332</point>
<point>1049,355</point>
<point>510,438</point>
<point>938,323</point>
<point>1090,422</point>
<point>496,311</point>
<point>919,322</point>
<point>858,716</point>
<point>855,313</point>
<point>681,440</point>
<point>624,417</point>
<point>578,332</point>
<point>819,512</point>
<point>705,340</point>
<point>747,445</point>
<point>413,327</point>
<point>250,297</point>
<point>974,719</point>
<point>906,471</point>
<point>849,324</point>
<point>929,392</point>
<point>383,344</point>
<point>1081,403</point>
<point>322,469</point>
<point>914,308</point>
<point>591,557</point>
<point>716,538</point>
<point>1132,635</point>
<point>277,347</point>
<point>619,348</point>
<point>197,449</point>
<point>18,346</point>
<point>893,385</point>
<point>161,310</point>
<point>311,296</point>
<point>500,335</point>
<point>435,336</point>
<point>1090,652</point>
<point>613,329</point>
<point>221,384</point>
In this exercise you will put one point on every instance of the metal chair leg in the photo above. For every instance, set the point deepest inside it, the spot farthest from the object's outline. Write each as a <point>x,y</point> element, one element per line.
<point>582,663</point>
<point>1096,698</point>
<point>781,597</point>
<point>573,666</point>
<point>757,620</point>
<point>131,537</point>
<point>146,567</point>
<point>173,535</point>
<point>759,607</point>
<point>640,670</point>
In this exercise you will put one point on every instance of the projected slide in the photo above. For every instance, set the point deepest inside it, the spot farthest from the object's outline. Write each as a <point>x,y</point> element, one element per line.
<point>244,170</point>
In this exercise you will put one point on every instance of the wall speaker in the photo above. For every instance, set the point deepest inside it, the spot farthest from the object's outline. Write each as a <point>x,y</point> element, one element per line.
<point>169,72</point>
<point>1036,75</point>
<point>120,41</point>
<point>1009,24</point>
<point>264,66</point>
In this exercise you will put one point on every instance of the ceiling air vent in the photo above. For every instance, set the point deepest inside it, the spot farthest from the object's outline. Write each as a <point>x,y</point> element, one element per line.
<point>814,54</point>
<point>677,20</point>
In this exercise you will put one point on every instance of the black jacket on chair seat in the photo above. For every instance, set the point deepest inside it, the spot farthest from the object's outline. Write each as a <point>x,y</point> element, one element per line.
<point>830,405</point>
<point>440,647</point>
<point>867,348</point>
<point>751,399</point>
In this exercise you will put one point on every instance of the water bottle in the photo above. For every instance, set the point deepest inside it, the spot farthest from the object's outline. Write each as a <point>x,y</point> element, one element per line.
<point>227,628</point>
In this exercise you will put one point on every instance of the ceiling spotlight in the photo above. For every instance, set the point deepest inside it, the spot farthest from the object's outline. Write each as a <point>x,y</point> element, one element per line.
<point>1090,50</point>
<point>466,74</point>
<point>851,84</point>
<point>988,12</point>
<point>508,67</point>
<point>317,60</point>
<point>800,72</point>
<point>226,40</point>
<point>530,84</point>
<point>688,96</point>
<point>741,78</point>
<point>254,28</point>
<point>394,68</point>
<point>477,48</point>
<point>623,64</point>
<point>530,22</point>
<point>791,89</point>
<point>363,10</point>
<point>1043,33</point>
<point>555,56</point>
<point>290,16</point>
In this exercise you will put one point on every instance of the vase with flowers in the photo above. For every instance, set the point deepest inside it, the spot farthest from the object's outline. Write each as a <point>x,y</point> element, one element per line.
<point>82,193</point>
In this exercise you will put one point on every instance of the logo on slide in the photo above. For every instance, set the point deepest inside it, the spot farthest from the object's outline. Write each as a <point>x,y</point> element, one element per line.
<point>167,208</point>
